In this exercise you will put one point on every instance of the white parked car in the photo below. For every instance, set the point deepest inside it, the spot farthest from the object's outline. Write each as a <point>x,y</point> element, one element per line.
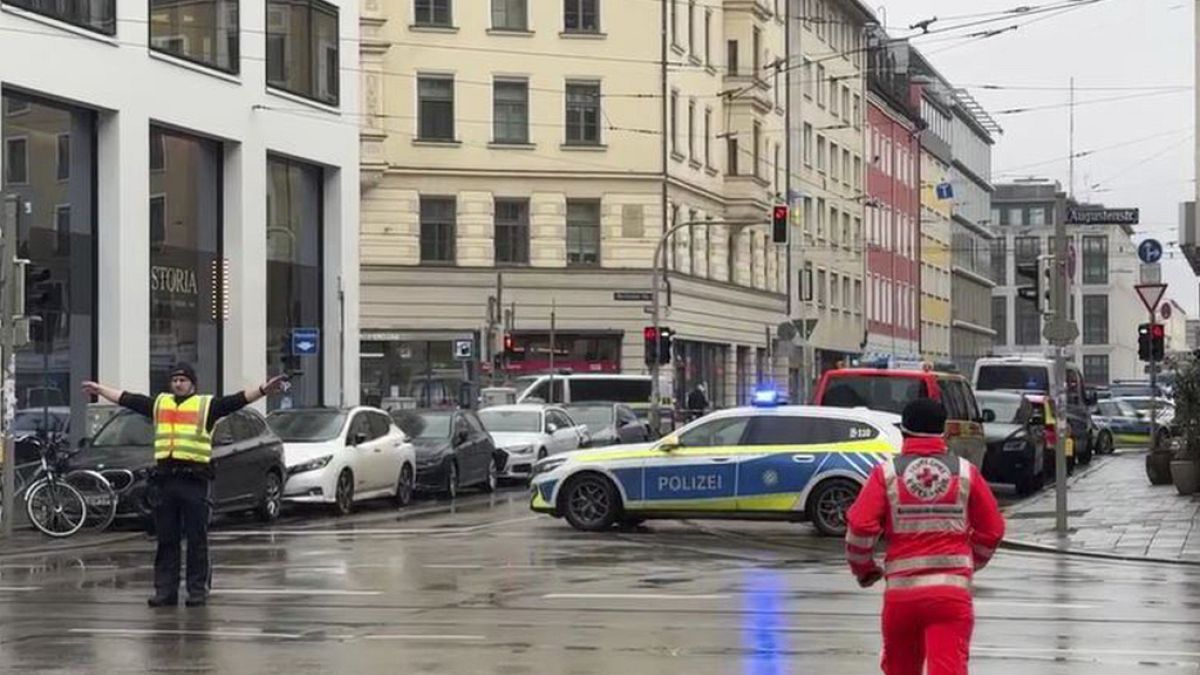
<point>527,432</point>
<point>339,456</point>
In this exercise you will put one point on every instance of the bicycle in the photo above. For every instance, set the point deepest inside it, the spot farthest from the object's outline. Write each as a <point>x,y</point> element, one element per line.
<point>59,503</point>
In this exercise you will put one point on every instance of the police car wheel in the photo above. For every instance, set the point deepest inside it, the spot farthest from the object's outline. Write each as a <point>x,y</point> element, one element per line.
<point>1104,446</point>
<point>590,503</point>
<point>829,503</point>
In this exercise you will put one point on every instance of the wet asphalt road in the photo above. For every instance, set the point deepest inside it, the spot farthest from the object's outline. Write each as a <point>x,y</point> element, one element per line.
<point>484,586</point>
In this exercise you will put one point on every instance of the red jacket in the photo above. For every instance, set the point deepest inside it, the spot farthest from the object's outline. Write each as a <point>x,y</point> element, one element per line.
<point>936,513</point>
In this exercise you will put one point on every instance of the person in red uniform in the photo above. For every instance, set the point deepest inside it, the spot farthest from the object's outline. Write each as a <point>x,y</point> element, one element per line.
<point>940,524</point>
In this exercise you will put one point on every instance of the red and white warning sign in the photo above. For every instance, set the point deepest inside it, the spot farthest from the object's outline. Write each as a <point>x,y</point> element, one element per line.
<point>1151,295</point>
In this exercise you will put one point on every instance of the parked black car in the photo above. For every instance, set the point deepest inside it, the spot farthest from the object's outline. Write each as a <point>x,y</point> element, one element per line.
<point>247,464</point>
<point>610,423</point>
<point>1016,444</point>
<point>453,450</point>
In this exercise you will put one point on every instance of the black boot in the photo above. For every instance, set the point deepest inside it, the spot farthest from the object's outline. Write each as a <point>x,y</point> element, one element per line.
<point>163,601</point>
<point>196,600</point>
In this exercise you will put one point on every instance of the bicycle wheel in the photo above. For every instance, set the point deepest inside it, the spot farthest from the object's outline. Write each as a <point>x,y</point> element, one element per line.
<point>98,494</point>
<point>57,509</point>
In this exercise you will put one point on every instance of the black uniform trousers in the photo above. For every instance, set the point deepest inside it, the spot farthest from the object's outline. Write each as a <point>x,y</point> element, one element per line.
<point>182,511</point>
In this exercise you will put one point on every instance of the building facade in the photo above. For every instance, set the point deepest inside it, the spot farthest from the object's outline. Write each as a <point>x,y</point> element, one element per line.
<point>522,160</point>
<point>1102,299</point>
<point>201,206</point>
<point>971,138</point>
<point>936,218</point>
<point>827,103</point>
<point>892,214</point>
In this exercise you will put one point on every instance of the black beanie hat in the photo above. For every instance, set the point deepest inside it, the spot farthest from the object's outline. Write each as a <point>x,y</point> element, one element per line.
<point>183,370</point>
<point>924,417</point>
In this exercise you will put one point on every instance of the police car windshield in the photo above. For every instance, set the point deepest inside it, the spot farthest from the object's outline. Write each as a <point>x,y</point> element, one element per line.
<point>501,421</point>
<point>306,426</point>
<point>877,392</point>
<point>1143,404</point>
<point>1116,409</point>
<point>1024,378</point>
<point>125,429</point>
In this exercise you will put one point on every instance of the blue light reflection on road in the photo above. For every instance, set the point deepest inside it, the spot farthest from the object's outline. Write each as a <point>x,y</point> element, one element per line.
<point>761,636</point>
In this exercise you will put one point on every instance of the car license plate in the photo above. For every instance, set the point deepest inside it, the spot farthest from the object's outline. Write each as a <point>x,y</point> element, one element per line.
<point>98,501</point>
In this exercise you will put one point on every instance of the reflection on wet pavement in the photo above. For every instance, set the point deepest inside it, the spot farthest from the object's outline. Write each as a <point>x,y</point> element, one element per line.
<point>484,586</point>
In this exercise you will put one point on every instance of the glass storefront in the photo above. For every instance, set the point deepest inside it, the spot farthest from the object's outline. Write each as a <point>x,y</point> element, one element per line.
<point>50,170</point>
<point>294,278</point>
<point>576,352</point>
<point>700,363</point>
<point>415,371</point>
<point>186,268</point>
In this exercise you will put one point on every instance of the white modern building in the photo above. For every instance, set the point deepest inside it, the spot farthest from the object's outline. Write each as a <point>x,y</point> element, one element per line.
<point>188,172</point>
<point>1102,297</point>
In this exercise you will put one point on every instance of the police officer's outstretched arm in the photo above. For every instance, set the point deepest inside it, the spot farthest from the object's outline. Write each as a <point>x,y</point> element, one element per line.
<point>139,403</point>
<point>864,525</point>
<point>987,523</point>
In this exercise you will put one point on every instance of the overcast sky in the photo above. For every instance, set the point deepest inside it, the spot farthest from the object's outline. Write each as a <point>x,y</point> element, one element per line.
<point>1119,44</point>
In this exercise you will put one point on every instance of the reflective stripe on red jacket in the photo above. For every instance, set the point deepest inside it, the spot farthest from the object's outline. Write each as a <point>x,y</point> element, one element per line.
<point>936,512</point>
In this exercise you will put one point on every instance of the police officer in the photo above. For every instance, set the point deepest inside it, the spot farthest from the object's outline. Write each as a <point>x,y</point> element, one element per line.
<point>941,525</point>
<point>183,424</point>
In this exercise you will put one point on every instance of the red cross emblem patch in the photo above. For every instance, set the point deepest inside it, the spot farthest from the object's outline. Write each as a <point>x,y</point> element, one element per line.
<point>927,479</point>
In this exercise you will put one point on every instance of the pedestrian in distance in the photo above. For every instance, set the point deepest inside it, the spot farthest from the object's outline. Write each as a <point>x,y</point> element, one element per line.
<point>941,525</point>
<point>697,401</point>
<point>183,423</point>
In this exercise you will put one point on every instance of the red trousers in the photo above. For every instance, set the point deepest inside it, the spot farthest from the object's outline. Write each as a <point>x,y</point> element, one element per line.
<point>927,628</point>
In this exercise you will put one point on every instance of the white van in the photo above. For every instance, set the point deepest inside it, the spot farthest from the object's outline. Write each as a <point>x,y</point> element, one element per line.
<point>1036,374</point>
<point>631,389</point>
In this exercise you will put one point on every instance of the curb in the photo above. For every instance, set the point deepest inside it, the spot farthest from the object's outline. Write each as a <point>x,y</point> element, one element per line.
<point>66,548</point>
<point>1030,547</point>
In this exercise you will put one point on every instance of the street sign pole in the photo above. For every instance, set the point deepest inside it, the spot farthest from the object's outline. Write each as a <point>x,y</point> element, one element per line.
<point>1153,390</point>
<point>1060,369</point>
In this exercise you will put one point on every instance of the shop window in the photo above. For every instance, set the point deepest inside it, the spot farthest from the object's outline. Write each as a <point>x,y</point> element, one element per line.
<point>56,233</point>
<point>295,277</point>
<point>186,268</point>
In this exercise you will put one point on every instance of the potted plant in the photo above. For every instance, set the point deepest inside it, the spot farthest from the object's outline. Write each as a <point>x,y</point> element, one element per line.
<point>1185,436</point>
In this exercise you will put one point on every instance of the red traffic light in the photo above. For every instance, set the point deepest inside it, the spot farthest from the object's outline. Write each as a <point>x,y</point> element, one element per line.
<point>508,342</point>
<point>1158,330</point>
<point>651,333</point>
<point>781,213</point>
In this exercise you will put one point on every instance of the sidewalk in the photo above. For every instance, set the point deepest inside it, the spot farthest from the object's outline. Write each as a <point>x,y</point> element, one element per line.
<point>1113,510</point>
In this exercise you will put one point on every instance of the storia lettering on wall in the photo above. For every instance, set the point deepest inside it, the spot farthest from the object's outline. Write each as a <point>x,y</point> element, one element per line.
<point>173,280</point>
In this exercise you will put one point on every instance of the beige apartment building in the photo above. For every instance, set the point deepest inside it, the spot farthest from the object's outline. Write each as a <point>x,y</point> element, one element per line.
<point>827,57</point>
<point>521,161</point>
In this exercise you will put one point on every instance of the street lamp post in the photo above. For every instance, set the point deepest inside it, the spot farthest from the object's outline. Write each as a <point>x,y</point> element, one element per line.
<point>656,284</point>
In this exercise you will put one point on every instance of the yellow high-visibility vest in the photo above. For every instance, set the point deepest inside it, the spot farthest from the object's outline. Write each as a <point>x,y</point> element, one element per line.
<point>180,429</point>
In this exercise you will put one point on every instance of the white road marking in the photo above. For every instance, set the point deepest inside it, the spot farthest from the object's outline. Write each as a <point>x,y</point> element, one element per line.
<point>630,596</point>
<point>1032,605</point>
<point>19,589</point>
<point>449,566</point>
<point>1086,651</point>
<point>430,638</point>
<point>141,632</point>
<point>290,591</point>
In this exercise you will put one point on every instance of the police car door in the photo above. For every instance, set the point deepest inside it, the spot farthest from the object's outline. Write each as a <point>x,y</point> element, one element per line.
<point>794,452</point>
<point>700,474</point>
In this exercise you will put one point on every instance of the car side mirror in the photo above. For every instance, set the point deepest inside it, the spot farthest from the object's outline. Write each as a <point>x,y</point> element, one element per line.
<point>460,437</point>
<point>669,443</point>
<point>84,443</point>
<point>360,438</point>
<point>551,428</point>
<point>989,415</point>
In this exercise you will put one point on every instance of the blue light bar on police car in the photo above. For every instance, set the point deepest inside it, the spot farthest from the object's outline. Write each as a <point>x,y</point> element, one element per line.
<point>766,398</point>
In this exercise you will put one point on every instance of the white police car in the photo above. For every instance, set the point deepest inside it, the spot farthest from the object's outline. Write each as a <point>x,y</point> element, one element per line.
<point>764,462</point>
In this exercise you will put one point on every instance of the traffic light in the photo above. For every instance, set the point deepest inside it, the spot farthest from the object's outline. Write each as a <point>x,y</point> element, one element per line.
<point>666,337</point>
<point>1158,335</point>
<point>1151,341</point>
<point>44,302</point>
<point>650,343</point>
<point>779,224</point>
<point>509,344</point>
<point>1045,298</point>
<point>658,345</point>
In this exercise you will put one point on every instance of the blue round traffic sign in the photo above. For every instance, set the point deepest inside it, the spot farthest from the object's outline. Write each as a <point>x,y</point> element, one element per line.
<point>1150,251</point>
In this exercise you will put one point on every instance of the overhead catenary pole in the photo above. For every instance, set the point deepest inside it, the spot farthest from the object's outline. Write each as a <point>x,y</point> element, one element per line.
<point>1061,318</point>
<point>553,312</point>
<point>656,306</point>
